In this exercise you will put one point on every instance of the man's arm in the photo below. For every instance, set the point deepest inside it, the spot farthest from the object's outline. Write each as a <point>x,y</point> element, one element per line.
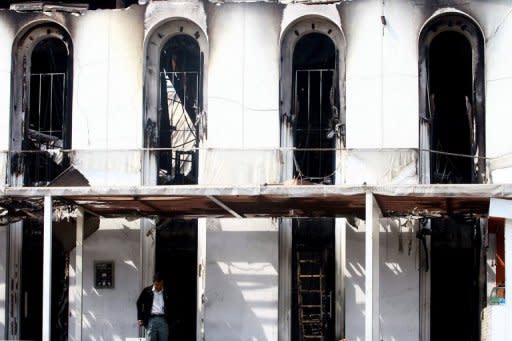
<point>140,308</point>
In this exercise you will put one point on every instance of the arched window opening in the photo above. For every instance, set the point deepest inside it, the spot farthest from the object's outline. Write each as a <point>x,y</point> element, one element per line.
<point>450,87</point>
<point>315,104</point>
<point>180,104</point>
<point>452,123</point>
<point>47,121</point>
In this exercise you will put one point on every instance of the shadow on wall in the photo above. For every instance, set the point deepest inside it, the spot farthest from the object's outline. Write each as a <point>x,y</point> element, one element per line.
<point>399,283</point>
<point>241,285</point>
<point>111,313</point>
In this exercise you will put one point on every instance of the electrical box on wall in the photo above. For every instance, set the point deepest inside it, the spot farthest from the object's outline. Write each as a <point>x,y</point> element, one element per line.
<point>104,275</point>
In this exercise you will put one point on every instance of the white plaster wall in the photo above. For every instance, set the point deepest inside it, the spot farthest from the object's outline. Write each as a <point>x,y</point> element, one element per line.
<point>109,314</point>
<point>3,279</point>
<point>241,279</point>
<point>243,80</point>
<point>381,73</point>
<point>498,30</point>
<point>7,34</point>
<point>107,101</point>
<point>399,284</point>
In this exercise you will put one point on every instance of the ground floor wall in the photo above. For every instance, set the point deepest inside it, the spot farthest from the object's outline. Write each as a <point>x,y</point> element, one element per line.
<point>399,282</point>
<point>241,279</point>
<point>109,314</point>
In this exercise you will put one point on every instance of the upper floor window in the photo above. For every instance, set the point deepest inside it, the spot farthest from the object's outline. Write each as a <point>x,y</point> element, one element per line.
<point>180,91</point>
<point>313,123</point>
<point>315,108</point>
<point>452,101</point>
<point>174,104</point>
<point>41,122</point>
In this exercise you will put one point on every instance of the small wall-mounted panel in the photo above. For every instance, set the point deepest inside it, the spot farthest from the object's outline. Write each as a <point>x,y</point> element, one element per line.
<point>104,275</point>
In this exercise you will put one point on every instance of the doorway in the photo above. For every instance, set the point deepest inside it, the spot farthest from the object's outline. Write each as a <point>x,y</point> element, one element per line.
<point>455,285</point>
<point>32,285</point>
<point>313,279</point>
<point>176,260</point>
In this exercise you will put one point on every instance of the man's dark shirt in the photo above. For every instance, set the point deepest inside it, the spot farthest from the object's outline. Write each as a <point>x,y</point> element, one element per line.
<point>145,303</point>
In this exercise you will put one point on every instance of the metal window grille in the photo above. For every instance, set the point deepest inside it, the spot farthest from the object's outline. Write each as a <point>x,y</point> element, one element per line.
<point>313,127</point>
<point>44,131</point>
<point>179,127</point>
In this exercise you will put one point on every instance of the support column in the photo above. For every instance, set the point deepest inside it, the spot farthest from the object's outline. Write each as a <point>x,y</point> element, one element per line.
<point>79,274</point>
<point>47,269</point>
<point>285,280</point>
<point>340,247</point>
<point>372,261</point>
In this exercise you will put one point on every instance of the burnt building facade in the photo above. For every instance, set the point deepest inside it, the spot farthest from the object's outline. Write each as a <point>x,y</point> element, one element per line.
<point>297,170</point>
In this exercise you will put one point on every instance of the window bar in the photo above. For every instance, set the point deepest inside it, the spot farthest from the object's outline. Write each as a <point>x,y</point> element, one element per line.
<point>185,80</point>
<point>39,104</point>
<point>306,164</point>
<point>51,106</point>
<point>63,111</point>
<point>320,127</point>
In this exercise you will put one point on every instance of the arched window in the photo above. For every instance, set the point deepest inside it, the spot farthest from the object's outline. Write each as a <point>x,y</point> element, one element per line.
<point>41,122</point>
<point>315,108</point>
<point>174,112</point>
<point>312,100</point>
<point>452,101</point>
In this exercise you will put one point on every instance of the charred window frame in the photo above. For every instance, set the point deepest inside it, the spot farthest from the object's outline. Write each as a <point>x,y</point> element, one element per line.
<point>312,96</point>
<point>452,29</point>
<point>41,120</point>
<point>175,120</point>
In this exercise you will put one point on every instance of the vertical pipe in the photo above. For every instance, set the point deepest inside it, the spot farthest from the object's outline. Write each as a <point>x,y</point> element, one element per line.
<point>47,268</point>
<point>51,104</point>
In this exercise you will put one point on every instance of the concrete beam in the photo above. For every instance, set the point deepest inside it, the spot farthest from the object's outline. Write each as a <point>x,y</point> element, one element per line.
<point>412,190</point>
<point>372,261</point>
<point>47,269</point>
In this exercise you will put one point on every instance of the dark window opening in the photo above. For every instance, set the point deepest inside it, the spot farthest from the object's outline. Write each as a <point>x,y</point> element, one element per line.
<point>179,111</point>
<point>315,108</point>
<point>313,279</point>
<point>48,121</point>
<point>451,108</point>
<point>176,260</point>
<point>32,285</point>
<point>457,291</point>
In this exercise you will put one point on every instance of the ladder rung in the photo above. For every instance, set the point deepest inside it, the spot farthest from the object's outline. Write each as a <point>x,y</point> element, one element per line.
<point>311,276</point>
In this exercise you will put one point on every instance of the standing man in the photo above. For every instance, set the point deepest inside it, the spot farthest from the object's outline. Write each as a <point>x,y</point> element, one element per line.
<point>152,310</point>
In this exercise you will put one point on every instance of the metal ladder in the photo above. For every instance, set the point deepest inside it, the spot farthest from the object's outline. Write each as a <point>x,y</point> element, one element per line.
<point>310,291</point>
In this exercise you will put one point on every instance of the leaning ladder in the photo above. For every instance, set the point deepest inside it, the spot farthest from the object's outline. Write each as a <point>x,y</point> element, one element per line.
<point>310,291</point>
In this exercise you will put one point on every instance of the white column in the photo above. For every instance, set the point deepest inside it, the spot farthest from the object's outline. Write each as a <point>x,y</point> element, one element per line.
<point>508,275</point>
<point>78,305</point>
<point>201,280</point>
<point>285,280</point>
<point>340,242</point>
<point>47,269</point>
<point>373,215</point>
